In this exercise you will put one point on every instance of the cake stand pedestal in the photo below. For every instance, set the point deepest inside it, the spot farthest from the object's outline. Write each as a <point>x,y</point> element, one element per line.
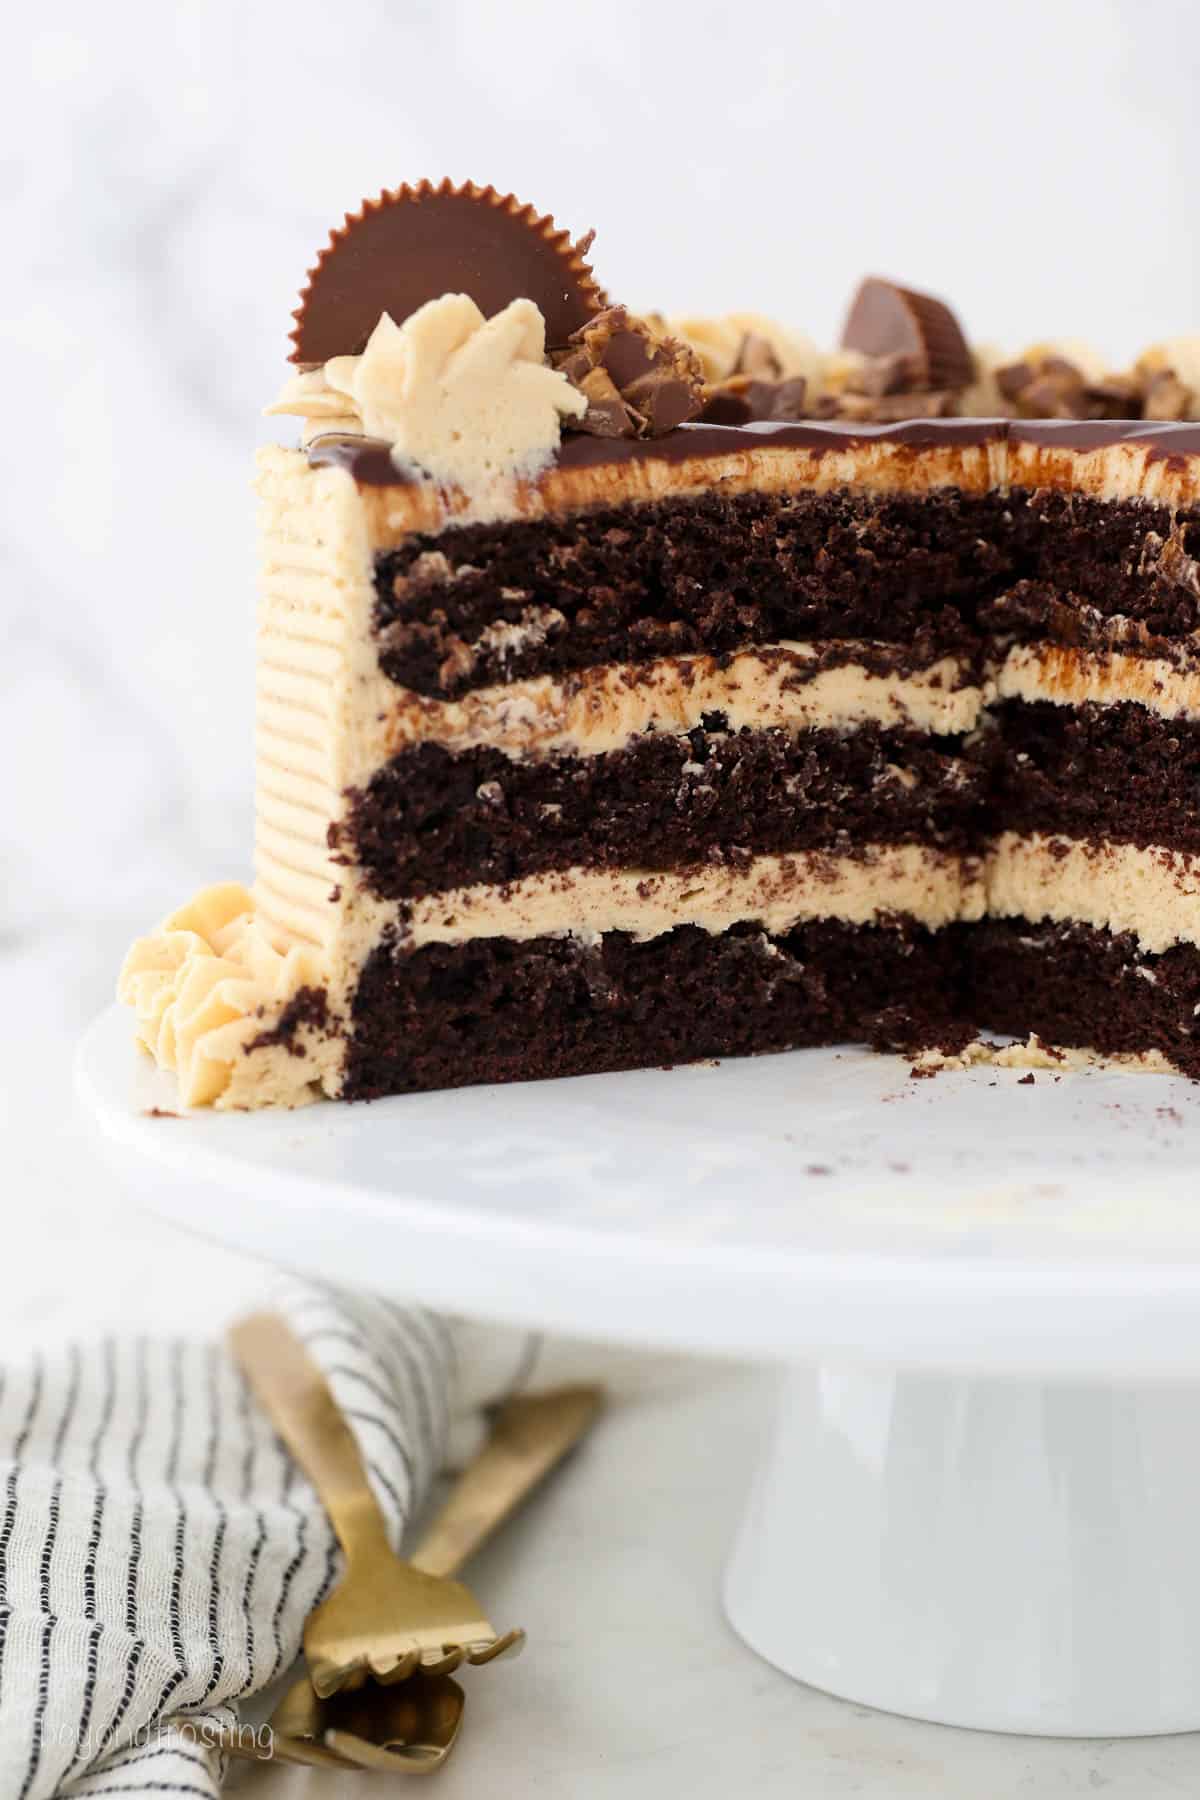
<point>980,1502</point>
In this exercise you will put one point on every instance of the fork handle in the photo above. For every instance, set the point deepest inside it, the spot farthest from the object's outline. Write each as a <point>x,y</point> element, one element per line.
<point>292,1391</point>
<point>528,1437</point>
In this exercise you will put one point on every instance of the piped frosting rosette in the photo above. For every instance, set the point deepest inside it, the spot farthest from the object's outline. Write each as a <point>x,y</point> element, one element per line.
<point>208,986</point>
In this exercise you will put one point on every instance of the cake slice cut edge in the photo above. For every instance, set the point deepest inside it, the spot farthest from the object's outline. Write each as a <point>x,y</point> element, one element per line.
<point>339,936</point>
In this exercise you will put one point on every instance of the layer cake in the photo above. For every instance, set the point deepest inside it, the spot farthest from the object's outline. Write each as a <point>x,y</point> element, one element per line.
<point>595,732</point>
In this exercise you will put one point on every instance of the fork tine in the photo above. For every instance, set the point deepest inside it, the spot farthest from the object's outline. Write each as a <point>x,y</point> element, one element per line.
<point>402,1759</point>
<point>443,1662</point>
<point>410,1728</point>
<point>390,1669</point>
<point>512,1643</point>
<point>383,1607</point>
<point>329,1677</point>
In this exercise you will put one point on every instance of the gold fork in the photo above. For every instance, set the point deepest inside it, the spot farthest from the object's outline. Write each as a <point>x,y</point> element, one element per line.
<point>412,1728</point>
<point>387,1618</point>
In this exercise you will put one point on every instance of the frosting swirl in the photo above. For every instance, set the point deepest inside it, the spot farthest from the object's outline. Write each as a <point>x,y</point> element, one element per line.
<point>469,401</point>
<point>205,986</point>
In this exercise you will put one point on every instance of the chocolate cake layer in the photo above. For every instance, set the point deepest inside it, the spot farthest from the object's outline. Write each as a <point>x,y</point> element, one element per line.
<point>1083,563</point>
<point>432,819</point>
<point>1120,556</point>
<point>478,604</point>
<point>1085,988</point>
<point>494,1010</point>
<point>1118,772</point>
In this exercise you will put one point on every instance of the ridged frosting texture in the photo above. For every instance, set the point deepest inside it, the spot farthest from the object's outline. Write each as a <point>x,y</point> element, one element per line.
<point>203,987</point>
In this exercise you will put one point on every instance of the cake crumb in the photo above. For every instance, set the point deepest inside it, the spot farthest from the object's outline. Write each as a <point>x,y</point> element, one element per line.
<point>1034,1053</point>
<point>159,1112</point>
<point>1026,1080</point>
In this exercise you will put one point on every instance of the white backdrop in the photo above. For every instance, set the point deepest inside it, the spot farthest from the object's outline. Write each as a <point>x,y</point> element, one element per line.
<point>176,167</point>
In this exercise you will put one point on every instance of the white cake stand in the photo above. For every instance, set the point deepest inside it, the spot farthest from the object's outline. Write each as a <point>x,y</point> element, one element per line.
<point>982,1501</point>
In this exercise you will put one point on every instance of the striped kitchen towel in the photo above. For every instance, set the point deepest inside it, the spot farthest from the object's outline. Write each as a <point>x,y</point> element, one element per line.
<point>160,1551</point>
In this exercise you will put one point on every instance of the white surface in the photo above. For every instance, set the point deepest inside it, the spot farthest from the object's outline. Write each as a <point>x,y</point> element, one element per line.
<point>817,1203</point>
<point>1003,1554</point>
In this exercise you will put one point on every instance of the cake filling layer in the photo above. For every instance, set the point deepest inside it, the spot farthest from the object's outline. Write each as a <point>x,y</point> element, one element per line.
<point>1152,894</point>
<point>495,1009</point>
<point>1070,676</point>
<point>433,819</point>
<point>934,887</point>
<point>835,685</point>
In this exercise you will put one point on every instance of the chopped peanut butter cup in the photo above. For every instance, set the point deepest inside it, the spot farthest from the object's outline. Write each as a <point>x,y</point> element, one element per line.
<point>1055,387</point>
<point>637,382</point>
<point>744,398</point>
<point>414,244</point>
<point>887,320</point>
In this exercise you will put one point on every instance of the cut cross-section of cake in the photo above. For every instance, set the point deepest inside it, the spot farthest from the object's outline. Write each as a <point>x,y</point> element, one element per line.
<point>1094,804</point>
<point>593,734</point>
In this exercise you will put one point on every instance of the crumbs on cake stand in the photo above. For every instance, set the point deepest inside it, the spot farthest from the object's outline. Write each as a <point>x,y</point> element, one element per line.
<point>1032,1054</point>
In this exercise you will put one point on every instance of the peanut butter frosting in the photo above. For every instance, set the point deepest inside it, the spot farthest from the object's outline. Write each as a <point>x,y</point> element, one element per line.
<point>466,401</point>
<point>209,987</point>
<point>777,892</point>
<point>779,686</point>
<point>1154,893</point>
<point>1175,361</point>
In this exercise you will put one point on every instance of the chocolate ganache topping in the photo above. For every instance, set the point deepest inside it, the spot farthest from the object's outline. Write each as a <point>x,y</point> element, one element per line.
<point>368,461</point>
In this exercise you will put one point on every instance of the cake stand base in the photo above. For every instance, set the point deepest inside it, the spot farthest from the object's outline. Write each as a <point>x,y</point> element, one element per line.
<point>1001,1554</point>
